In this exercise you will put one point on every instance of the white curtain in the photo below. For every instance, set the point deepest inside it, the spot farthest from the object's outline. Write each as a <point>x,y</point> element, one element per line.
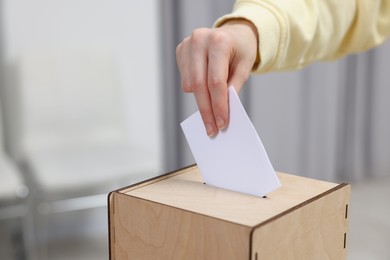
<point>328,121</point>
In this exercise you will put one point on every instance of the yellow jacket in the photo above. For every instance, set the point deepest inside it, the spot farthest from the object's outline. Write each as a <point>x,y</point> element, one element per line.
<point>293,34</point>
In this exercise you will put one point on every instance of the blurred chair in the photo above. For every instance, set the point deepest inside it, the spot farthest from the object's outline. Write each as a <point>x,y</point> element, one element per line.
<point>13,211</point>
<point>12,190</point>
<point>71,136</point>
<point>13,206</point>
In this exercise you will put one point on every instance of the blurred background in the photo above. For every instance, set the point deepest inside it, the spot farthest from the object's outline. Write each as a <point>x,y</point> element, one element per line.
<point>90,101</point>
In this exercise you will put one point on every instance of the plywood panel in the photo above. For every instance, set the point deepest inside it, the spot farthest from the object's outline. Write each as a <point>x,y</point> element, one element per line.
<point>186,190</point>
<point>313,231</point>
<point>146,230</point>
<point>177,216</point>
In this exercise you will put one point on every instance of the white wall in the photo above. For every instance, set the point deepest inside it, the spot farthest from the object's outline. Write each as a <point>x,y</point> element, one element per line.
<point>128,29</point>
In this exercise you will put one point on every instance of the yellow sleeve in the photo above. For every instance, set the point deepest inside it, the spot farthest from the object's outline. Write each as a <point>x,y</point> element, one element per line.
<point>293,34</point>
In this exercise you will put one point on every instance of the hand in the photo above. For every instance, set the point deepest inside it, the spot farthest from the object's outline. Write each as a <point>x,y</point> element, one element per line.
<point>210,60</point>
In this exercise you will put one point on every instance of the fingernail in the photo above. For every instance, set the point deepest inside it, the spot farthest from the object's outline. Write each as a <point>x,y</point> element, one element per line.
<point>220,123</point>
<point>209,130</point>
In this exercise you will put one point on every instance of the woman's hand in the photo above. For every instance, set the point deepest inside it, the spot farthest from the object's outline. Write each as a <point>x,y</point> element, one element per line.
<point>210,60</point>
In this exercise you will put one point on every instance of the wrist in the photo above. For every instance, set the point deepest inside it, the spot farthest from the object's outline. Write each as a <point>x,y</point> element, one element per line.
<point>245,28</point>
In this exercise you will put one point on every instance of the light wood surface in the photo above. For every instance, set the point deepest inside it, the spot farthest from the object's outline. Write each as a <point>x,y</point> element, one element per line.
<point>314,231</point>
<point>148,230</point>
<point>177,216</point>
<point>186,191</point>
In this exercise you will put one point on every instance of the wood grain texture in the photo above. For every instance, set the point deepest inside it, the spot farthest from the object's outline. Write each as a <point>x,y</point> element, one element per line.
<point>147,230</point>
<point>313,231</point>
<point>187,191</point>
<point>177,216</point>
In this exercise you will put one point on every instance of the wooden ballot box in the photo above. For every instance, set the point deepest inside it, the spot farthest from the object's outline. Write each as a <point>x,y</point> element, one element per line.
<point>177,216</point>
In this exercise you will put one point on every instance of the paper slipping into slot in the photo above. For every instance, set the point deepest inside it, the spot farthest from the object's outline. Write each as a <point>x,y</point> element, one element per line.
<point>234,159</point>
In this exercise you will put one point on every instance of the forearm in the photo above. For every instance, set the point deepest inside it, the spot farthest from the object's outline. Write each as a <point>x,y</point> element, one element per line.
<point>293,34</point>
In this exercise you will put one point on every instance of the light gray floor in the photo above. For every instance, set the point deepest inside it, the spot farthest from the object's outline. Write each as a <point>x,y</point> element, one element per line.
<point>83,235</point>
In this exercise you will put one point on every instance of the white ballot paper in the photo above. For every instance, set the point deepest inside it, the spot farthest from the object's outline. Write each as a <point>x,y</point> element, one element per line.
<point>234,159</point>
